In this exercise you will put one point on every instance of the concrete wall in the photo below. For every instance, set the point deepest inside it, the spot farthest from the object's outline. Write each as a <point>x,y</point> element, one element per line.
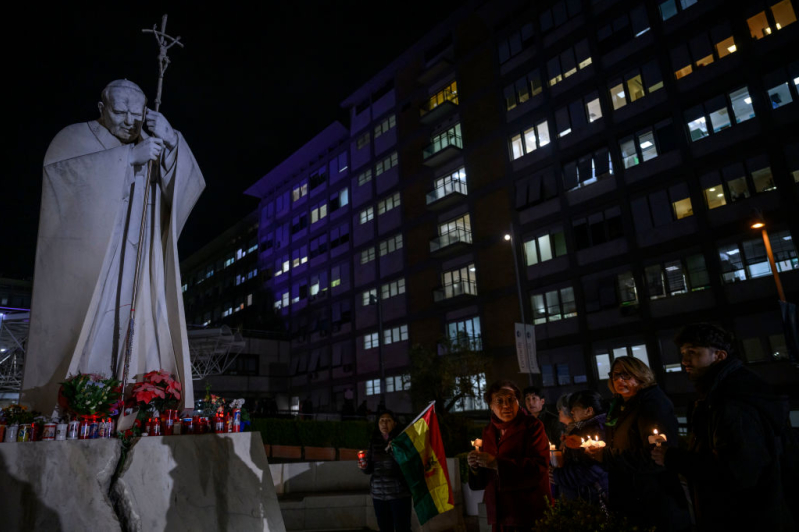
<point>335,496</point>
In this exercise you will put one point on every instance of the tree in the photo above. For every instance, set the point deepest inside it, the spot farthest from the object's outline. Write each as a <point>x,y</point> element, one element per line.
<point>446,376</point>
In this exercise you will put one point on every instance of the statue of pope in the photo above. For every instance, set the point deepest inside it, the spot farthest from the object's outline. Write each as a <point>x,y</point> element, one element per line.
<point>92,203</point>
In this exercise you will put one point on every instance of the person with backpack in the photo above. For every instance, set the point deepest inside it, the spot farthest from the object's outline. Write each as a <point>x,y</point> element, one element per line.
<point>736,459</point>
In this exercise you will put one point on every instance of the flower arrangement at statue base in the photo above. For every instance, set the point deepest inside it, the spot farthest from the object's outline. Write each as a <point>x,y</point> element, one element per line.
<point>566,515</point>
<point>219,415</point>
<point>18,424</point>
<point>157,398</point>
<point>89,403</point>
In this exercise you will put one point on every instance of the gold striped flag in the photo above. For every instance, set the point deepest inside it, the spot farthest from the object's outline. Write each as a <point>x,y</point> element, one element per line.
<point>419,451</point>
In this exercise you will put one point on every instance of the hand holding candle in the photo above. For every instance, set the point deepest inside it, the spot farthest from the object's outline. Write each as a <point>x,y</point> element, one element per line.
<point>555,456</point>
<point>657,438</point>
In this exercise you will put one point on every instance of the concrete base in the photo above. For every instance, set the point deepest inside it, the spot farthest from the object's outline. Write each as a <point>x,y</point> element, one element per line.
<point>209,482</point>
<point>326,496</point>
<point>58,486</point>
<point>197,483</point>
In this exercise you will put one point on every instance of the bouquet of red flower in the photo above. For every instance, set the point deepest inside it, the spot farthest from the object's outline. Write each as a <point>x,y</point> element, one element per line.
<point>87,394</point>
<point>158,391</point>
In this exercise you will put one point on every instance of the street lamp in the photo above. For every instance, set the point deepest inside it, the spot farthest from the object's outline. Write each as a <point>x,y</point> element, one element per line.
<point>509,238</point>
<point>376,300</point>
<point>759,223</point>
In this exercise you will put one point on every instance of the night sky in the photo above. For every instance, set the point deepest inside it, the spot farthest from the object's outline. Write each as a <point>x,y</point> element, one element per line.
<point>251,86</point>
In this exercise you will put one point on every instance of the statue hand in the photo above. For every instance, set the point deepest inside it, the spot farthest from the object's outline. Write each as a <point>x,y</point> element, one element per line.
<point>147,150</point>
<point>158,125</point>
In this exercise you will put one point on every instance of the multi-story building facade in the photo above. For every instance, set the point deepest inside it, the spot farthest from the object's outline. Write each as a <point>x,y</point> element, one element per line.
<point>222,288</point>
<point>622,144</point>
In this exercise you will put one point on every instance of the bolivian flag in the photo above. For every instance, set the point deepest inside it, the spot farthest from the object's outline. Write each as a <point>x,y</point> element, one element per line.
<point>420,454</point>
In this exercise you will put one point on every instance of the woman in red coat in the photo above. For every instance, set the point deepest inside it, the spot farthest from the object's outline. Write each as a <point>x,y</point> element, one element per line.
<point>512,465</point>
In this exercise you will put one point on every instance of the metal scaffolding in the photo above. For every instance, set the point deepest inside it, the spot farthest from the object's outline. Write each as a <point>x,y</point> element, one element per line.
<point>13,340</point>
<point>212,351</point>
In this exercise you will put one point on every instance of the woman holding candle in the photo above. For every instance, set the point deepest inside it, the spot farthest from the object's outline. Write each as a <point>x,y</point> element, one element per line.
<point>512,465</point>
<point>581,477</point>
<point>646,493</point>
<point>390,493</point>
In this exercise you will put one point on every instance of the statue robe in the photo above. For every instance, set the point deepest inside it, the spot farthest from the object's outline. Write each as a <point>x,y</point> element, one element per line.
<point>85,258</point>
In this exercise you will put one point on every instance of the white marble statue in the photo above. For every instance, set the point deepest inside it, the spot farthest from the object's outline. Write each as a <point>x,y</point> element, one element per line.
<point>92,199</point>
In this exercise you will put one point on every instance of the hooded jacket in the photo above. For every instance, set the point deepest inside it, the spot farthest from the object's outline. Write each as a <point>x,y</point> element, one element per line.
<point>732,463</point>
<point>646,493</point>
<point>581,477</point>
<point>515,493</point>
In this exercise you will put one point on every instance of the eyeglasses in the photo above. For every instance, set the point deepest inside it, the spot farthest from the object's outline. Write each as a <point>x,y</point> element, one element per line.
<point>503,401</point>
<point>623,376</point>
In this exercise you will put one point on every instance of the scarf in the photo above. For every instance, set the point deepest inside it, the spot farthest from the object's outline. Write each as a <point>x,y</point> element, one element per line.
<point>504,425</point>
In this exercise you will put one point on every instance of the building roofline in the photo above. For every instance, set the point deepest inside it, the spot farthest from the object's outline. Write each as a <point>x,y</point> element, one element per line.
<point>331,135</point>
<point>427,40</point>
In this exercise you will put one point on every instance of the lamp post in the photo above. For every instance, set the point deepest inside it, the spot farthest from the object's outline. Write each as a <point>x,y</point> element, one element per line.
<point>509,237</point>
<point>376,300</point>
<point>759,223</point>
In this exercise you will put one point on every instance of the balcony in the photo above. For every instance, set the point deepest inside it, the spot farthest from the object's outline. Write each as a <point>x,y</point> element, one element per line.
<point>459,290</point>
<point>450,242</point>
<point>439,106</point>
<point>443,148</point>
<point>445,195</point>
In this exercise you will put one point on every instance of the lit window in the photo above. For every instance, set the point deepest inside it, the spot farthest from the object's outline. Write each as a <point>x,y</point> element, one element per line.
<point>367,255</point>
<point>758,26</point>
<point>780,95</point>
<point>373,387</point>
<point>783,14</point>
<point>366,215</point>
<point>742,105</point>
<point>364,177</point>
<point>554,305</point>
<point>370,341</point>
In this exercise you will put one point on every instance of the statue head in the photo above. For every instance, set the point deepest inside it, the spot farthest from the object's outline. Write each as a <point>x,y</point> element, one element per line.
<point>122,109</point>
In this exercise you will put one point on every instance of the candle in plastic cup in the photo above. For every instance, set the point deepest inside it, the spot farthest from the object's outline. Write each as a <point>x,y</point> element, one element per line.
<point>362,457</point>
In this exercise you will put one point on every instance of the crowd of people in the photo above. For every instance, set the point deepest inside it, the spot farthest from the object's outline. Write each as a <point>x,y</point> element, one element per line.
<point>738,469</point>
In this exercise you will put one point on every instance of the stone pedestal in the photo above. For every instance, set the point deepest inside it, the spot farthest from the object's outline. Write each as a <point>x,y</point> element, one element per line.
<point>176,483</point>
<point>195,483</point>
<point>58,486</point>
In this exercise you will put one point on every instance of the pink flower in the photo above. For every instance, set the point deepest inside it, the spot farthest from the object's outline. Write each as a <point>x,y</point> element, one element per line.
<point>157,376</point>
<point>145,392</point>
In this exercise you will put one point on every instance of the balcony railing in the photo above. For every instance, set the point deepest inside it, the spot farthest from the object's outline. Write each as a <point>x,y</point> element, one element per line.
<point>460,288</point>
<point>439,99</point>
<point>449,238</point>
<point>442,142</point>
<point>450,187</point>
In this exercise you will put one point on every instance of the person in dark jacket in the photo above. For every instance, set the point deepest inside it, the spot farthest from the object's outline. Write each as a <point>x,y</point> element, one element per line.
<point>512,465</point>
<point>647,494</point>
<point>535,404</point>
<point>390,493</point>
<point>581,477</point>
<point>731,464</point>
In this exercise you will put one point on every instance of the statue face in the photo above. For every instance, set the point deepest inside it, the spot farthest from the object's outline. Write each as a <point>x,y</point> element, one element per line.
<point>122,116</point>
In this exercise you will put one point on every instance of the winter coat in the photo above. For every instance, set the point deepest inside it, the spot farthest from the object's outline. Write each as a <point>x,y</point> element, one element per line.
<point>731,463</point>
<point>646,493</point>
<point>515,492</point>
<point>581,477</point>
<point>387,482</point>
